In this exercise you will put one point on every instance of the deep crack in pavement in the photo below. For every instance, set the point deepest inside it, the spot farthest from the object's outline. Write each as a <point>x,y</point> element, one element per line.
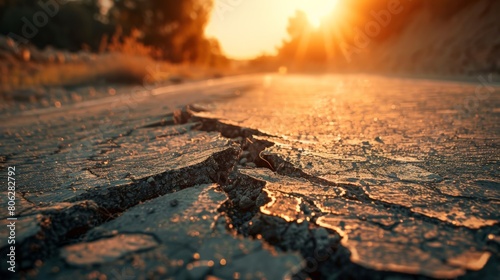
<point>221,189</point>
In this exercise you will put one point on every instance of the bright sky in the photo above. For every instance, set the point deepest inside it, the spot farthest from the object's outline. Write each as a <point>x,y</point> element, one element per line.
<point>247,28</point>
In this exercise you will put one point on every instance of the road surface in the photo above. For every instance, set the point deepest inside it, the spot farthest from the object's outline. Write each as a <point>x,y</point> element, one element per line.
<point>261,176</point>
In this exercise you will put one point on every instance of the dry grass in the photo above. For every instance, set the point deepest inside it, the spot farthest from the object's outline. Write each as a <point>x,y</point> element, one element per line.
<point>125,62</point>
<point>106,68</point>
<point>109,67</point>
<point>122,61</point>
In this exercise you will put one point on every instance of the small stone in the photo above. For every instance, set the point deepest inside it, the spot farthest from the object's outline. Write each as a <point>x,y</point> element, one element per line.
<point>378,139</point>
<point>151,210</point>
<point>321,237</point>
<point>161,270</point>
<point>151,180</point>
<point>243,161</point>
<point>261,199</point>
<point>245,203</point>
<point>251,164</point>
<point>174,202</point>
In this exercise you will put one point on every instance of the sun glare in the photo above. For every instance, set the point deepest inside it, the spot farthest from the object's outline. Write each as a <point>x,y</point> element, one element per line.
<point>316,10</point>
<point>247,29</point>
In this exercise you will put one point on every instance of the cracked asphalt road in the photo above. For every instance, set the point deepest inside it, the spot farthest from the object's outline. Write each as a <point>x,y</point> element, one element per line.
<point>261,177</point>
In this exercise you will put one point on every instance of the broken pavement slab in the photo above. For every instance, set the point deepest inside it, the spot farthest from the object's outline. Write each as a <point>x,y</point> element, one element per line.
<point>94,191</point>
<point>40,230</point>
<point>369,245</point>
<point>136,158</point>
<point>185,240</point>
<point>424,200</point>
<point>377,235</point>
<point>64,162</point>
<point>315,162</point>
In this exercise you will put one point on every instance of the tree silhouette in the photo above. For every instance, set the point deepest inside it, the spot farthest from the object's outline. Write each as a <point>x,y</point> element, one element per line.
<point>175,27</point>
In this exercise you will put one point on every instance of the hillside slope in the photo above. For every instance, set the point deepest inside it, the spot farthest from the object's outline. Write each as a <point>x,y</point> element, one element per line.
<point>463,41</point>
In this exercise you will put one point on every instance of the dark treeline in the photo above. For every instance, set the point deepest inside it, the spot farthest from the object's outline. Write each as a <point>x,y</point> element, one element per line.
<point>61,24</point>
<point>173,29</point>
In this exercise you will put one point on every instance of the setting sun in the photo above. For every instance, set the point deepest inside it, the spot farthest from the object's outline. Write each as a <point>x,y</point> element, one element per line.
<point>316,10</point>
<point>237,19</point>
